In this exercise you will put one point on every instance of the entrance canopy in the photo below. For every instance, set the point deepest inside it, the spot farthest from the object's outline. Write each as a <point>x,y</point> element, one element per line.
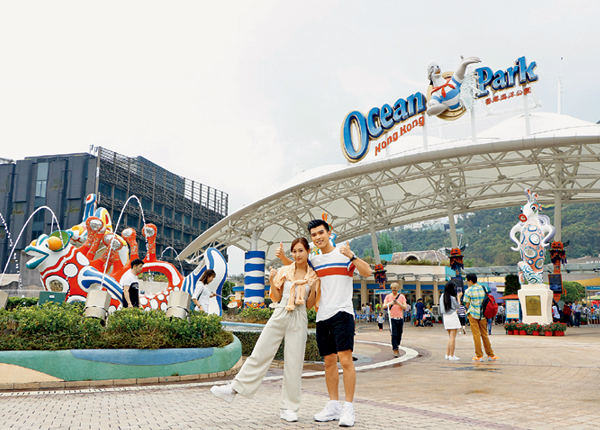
<point>559,160</point>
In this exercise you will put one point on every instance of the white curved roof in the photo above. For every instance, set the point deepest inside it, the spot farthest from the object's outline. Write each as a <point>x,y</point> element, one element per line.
<point>561,154</point>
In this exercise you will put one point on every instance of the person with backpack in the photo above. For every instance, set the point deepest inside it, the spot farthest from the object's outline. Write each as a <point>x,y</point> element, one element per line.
<point>474,299</point>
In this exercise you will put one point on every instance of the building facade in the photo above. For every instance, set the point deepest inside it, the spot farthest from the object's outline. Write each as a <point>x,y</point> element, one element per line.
<point>180,208</point>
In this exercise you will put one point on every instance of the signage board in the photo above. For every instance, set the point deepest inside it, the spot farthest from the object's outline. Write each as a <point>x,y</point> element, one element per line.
<point>512,309</point>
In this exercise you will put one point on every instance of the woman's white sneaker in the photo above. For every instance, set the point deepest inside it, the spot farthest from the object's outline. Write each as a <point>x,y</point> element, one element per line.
<point>224,392</point>
<point>347,415</point>
<point>331,412</point>
<point>288,415</point>
<point>453,358</point>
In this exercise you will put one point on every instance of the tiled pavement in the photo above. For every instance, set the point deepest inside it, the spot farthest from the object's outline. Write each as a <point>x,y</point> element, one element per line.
<point>540,383</point>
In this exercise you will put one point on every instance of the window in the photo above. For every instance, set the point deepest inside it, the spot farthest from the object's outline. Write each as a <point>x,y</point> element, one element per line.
<point>120,194</point>
<point>158,208</point>
<point>168,213</point>
<point>177,235</point>
<point>146,204</point>
<point>168,231</point>
<point>133,221</point>
<point>187,220</point>
<point>105,190</point>
<point>196,223</point>
<point>177,217</point>
<point>42,180</point>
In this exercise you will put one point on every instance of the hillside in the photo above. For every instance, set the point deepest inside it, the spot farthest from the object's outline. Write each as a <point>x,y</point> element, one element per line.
<point>487,235</point>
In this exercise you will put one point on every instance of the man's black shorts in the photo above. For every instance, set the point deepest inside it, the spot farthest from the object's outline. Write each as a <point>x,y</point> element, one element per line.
<point>134,296</point>
<point>336,334</point>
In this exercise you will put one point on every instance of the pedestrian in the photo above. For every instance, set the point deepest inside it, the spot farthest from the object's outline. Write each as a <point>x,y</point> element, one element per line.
<point>368,312</point>
<point>462,317</point>
<point>294,288</point>
<point>420,307</point>
<point>489,325</point>
<point>395,303</point>
<point>131,284</point>
<point>380,320</point>
<point>407,312</point>
<point>576,308</point>
<point>501,312</point>
<point>449,310</point>
<point>473,299</point>
<point>567,314</point>
<point>335,317</point>
<point>555,312</point>
<point>202,295</point>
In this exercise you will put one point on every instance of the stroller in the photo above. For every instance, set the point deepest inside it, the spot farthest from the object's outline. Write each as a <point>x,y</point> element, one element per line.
<point>427,319</point>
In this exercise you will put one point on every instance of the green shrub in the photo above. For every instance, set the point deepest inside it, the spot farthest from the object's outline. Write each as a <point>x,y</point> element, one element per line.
<point>53,326</point>
<point>249,338</point>
<point>14,302</point>
<point>256,315</point>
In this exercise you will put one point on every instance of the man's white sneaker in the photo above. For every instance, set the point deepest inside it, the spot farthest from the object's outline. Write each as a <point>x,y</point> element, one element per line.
<point>347,416</point>
<point>224,392</point>
<point>329,413</point>
<point>288,415</point>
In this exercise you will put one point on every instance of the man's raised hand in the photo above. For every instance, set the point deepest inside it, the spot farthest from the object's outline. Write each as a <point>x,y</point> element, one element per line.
<point>279,251</point>
<point>345,250</point>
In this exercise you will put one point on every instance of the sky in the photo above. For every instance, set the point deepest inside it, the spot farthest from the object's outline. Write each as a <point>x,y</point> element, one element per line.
<point>243,95</point>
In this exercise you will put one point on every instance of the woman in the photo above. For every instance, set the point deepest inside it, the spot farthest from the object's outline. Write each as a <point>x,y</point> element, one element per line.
<point>449,308</point>
<point>291,286</point>
<point>202,294</point>
<point>555,313</point>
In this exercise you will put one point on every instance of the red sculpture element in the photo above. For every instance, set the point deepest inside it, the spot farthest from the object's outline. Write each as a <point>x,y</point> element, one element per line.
<point>558,256</point>
<point>380,275</point>
<point>456,260</point>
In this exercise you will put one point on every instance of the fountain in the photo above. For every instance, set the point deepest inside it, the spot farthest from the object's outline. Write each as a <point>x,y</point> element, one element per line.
<point>91,256</point>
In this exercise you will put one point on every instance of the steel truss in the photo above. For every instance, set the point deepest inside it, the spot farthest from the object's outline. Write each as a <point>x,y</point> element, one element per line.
<point>424,186</point>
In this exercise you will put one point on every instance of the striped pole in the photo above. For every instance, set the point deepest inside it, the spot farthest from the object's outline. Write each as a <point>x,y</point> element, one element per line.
<point>254,279</point>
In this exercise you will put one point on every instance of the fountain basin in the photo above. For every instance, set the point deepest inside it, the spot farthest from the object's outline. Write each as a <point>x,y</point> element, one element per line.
<point>102,364</point>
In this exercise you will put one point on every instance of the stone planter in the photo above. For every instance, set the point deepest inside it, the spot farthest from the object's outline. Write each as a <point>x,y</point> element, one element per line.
<point>101,364</point>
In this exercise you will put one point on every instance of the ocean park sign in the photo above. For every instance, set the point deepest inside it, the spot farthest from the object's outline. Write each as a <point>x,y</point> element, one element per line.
<point>448,97</point>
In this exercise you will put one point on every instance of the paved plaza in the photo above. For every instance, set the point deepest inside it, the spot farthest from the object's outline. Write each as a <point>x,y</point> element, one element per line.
<point>539,383</point>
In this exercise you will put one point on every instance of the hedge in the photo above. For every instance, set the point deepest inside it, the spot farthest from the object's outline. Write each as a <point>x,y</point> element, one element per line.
<point>53,326</point>
<point>249,339</point>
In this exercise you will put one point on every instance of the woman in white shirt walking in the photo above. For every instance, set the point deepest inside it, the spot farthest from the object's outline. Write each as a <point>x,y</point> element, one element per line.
<point>202,294</point>
<point>449,308</point>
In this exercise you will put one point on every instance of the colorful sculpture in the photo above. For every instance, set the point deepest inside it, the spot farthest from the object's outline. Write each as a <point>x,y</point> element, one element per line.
<point>90,256</point>
<point>535,234</point>
<point>450,94</point>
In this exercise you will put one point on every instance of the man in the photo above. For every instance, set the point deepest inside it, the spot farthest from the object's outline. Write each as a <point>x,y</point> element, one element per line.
<point>473,300</point>
<point>420,307</point>
<point>131,285</point>
<point>576,309</point>
<point>335,317</point>
<point>395,303</point>
<point>407,312</point>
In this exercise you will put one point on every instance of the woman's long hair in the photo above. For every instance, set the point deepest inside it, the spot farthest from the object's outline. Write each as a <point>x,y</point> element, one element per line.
<point>207,274</point>
<point>449,290</point>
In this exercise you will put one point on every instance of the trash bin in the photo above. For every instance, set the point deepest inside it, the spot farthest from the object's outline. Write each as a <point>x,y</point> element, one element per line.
<point>3,299</point>
<point>96,304</point>
<point>178,304</point>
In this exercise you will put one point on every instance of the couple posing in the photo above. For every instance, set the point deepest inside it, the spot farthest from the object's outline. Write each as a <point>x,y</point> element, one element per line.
<point>328,287</point>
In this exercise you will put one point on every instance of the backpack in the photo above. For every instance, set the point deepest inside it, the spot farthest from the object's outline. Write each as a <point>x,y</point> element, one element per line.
<point>489,307</point>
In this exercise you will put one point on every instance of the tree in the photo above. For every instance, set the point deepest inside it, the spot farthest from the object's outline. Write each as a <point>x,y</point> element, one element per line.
<point>574,291</point>
<point>511,284</point>
<point>225,292</point>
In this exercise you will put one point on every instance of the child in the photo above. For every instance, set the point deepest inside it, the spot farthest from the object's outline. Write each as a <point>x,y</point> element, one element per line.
<point>380,320</point>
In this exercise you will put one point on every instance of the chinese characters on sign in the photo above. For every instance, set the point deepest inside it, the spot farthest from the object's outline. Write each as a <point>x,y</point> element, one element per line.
<point>507,95</point>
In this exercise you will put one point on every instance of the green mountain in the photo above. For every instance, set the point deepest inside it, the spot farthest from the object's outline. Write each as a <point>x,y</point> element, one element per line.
<point>487,235</point>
